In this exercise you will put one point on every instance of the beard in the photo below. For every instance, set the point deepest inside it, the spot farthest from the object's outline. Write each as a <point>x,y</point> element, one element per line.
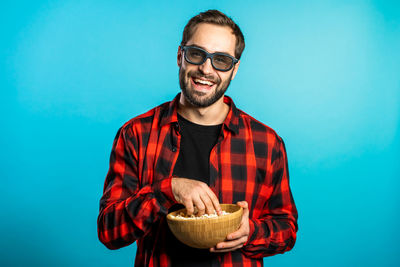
<point>197,98</point>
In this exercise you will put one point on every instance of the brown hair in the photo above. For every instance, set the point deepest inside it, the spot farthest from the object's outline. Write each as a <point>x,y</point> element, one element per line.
<point>218,18</point>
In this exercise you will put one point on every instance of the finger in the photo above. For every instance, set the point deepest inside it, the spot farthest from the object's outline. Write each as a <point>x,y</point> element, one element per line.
<point>189,206</point>
<point>214,200</point>
<point>245,207</point>
<point>197,201</point>
<point>237,234</point>
<point>225,250</point>
<point>209,207</point>
<point>230,245</point>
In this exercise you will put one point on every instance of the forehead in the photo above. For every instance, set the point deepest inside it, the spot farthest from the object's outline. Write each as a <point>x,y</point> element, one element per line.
<point>214,38</point>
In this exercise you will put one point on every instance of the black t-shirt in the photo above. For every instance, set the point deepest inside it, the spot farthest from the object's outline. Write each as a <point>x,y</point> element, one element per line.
<point>197,142</point>
<point>193,162</point>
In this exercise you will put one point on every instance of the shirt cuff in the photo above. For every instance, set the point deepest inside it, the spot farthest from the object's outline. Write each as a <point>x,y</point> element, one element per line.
<point>163,193</point>
<point>252,232</point>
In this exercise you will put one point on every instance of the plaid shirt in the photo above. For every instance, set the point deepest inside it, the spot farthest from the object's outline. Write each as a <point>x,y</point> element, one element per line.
<point>247,163</point>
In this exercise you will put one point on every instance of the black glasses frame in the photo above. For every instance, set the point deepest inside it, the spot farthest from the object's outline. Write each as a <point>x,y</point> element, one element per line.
<point>209,55</point>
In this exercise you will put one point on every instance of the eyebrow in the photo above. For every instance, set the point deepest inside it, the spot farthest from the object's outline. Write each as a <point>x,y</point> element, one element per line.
<point>199,46</point>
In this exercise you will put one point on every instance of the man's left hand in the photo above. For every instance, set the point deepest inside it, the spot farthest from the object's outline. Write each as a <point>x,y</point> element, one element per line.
<point>236,239</point>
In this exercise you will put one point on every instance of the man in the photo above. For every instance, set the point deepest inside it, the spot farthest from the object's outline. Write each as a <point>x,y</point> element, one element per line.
<point>198,151</point>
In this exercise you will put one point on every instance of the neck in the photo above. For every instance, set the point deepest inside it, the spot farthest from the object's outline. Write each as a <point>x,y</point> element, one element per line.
<point>211,115</point>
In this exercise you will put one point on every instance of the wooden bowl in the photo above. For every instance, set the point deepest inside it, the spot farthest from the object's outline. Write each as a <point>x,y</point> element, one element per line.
<point>205,232</point>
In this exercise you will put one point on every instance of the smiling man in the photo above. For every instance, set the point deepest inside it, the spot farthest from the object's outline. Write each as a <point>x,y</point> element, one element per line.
<point>198,151</point>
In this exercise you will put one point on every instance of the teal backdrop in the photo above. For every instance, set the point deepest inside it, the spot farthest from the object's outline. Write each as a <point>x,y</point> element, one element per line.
<point>324,74</point>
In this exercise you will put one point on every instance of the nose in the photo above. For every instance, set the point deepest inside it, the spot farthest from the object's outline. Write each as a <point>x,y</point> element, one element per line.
<point>206,67</point>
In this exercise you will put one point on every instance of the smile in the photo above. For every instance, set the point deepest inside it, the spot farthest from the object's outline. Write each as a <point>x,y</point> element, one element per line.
<point>205,82</point>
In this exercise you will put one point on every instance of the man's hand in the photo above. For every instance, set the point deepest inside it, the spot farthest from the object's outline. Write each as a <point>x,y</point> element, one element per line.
<point>192,193</point>
<point>236,239</point>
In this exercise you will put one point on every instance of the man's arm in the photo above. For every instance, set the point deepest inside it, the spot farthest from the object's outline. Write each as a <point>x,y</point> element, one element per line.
<point>128,209</point>
<point>275,230</point>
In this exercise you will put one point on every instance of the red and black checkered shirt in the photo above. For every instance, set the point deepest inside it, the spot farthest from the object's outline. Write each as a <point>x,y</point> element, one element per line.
<point>247,163</point>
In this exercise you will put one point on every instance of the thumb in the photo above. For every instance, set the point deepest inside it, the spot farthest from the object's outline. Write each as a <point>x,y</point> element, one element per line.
<point>245,207</point>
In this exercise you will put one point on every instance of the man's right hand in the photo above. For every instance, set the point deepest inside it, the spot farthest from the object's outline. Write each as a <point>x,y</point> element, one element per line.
<point>192,193</point>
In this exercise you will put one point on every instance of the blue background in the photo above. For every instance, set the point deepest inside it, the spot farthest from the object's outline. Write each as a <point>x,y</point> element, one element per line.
<point>324,74</point>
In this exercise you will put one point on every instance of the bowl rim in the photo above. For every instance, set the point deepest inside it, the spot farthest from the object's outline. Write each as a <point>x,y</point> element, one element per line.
<point>170,218</point>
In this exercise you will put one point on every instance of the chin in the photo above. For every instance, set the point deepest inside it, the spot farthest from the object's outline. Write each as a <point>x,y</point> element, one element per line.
<point>200,100</point>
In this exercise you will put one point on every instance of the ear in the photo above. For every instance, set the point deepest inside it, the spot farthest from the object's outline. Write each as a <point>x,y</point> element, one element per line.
<point>179,57</point>
<point>235,69</point>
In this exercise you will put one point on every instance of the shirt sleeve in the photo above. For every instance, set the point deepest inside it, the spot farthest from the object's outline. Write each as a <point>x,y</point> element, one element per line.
<point>127,209</point>
<point>275,230</point>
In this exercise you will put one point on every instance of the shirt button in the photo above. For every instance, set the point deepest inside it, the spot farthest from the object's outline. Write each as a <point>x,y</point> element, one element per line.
<point>174,149</point>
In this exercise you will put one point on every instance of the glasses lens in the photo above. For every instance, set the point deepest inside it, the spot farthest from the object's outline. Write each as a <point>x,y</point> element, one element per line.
<point>222,62</point>
<point>195,56</point>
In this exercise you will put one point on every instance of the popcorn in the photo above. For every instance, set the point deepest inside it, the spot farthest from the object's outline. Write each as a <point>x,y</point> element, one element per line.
<point>182,215</point>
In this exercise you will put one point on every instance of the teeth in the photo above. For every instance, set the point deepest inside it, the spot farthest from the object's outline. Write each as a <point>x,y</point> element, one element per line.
<point>203,82</point>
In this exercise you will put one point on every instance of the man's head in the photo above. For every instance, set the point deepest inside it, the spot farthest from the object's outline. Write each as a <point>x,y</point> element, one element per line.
<point>204,82</point>
<point>214,17</point>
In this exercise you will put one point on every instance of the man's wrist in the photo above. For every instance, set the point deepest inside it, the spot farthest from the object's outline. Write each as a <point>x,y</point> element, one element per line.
<point>163,192</point>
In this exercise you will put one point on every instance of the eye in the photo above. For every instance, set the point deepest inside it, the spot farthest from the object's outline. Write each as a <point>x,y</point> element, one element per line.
<point>222,59</point>
<point>195,53</point>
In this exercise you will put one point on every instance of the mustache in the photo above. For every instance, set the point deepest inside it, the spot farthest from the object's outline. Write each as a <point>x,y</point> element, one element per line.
<point>197,74</point>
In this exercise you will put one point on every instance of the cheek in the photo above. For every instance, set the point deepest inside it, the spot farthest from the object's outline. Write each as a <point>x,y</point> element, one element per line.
<point>187,68</point>
<point>224,78</point>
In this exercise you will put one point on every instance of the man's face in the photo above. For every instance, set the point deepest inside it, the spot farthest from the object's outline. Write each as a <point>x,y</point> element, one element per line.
<point>202,85</point>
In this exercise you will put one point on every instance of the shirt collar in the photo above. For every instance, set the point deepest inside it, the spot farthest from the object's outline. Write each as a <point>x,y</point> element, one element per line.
<point>231,121</point>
